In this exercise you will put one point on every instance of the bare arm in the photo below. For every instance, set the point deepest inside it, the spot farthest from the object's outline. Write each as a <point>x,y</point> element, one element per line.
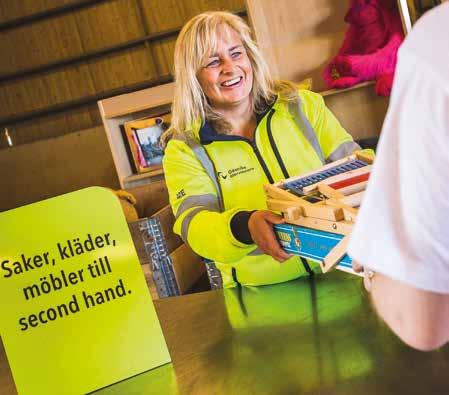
<point>420,318</point>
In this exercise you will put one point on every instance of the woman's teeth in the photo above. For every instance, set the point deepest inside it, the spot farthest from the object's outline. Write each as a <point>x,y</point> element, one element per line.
<point>232,82</point>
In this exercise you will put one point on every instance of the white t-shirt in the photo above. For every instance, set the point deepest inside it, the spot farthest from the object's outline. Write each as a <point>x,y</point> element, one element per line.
<point>402,228</point>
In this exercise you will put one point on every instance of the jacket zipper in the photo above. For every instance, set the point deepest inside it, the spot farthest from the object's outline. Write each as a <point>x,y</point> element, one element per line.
<point>260,159</point>
<point>256,151</point>
<point>274,147</point>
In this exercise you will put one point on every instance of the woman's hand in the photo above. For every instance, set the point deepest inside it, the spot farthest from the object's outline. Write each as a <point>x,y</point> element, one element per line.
<point>260,227</point>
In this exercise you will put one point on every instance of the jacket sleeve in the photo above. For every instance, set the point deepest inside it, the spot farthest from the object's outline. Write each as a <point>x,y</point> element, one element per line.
<point>335,142</point>
<point>195,204</point>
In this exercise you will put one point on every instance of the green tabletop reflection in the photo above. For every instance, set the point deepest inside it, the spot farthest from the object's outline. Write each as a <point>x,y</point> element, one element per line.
<point>311,336</point>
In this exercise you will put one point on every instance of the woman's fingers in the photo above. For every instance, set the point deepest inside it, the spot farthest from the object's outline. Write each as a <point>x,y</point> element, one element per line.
<point>273,218</point>
<point>261,228</point>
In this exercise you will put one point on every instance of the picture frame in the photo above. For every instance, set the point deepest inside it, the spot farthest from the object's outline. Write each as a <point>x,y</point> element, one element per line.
<point>142,136</point>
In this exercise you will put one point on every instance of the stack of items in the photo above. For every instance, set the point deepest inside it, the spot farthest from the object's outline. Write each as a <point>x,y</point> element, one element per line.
<point>161,265</point>
<point>174,267</point>
<point>320,209</point>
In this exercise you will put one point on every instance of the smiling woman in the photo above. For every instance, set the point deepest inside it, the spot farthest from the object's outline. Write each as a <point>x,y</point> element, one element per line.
<point>227,76</point>
<point>233,130</point>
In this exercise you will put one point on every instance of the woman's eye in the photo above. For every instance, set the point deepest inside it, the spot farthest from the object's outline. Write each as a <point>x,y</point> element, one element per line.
<point>235,54</point>
<point>212,63</point>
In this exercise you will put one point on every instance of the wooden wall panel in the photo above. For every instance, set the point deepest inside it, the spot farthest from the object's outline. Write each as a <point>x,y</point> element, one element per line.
<point>163,55</point>
<point>286,30</point>
<point>86,30</point>
<point>52,126</point>
<point>108,23</point>
<point>12,9</point>
<point>122,69</point>
<point>360,110</point>
<point>36,171</point>
<point>39,43</point>
<point>41,91</point>
<point>103,25</point>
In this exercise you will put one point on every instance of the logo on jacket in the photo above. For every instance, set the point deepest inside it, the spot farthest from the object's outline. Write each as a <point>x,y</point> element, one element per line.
<point>180,194</point>
<point>236,171</point>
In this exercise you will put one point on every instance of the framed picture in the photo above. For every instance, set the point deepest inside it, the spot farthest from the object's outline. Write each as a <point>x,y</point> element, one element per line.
<point>143,139</point>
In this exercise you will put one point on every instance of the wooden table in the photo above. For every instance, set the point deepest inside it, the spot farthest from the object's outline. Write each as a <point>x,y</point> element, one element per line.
<point>311,336</point>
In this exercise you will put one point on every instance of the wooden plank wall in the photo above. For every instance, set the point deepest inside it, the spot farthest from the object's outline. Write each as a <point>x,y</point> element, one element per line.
<point>10,9</point>
<point>99,26</point>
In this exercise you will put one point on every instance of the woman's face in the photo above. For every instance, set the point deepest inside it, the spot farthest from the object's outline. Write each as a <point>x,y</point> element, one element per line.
<point>227,75</point>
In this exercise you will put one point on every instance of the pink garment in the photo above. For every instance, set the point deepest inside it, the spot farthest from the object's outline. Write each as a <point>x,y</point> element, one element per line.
<point>140,157</point>
<point>369,50</point>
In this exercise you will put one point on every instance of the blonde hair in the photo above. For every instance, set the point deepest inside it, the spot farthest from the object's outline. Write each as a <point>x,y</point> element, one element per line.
<point>196,41</point>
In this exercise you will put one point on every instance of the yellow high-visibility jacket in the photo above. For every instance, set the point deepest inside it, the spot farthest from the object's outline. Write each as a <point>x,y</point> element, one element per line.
<point>215,181</point>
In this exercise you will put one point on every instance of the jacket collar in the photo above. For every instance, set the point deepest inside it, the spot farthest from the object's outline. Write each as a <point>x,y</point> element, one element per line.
<point>208,134</point>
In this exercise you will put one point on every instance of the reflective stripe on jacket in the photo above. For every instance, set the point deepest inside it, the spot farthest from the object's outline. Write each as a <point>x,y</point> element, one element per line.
<point>280,149</point>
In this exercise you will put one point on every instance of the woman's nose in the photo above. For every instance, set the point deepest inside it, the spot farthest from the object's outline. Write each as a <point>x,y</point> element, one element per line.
<point>227,66</point>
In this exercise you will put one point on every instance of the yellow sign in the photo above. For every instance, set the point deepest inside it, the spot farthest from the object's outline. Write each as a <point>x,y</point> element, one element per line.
<point>76,313</point>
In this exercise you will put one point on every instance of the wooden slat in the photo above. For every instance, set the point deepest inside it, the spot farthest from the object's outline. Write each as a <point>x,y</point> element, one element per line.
<point>353,200</point>
<point>283,205</point>
<point>29,46</point>
<point>163,55</point>
<point>365,157</point>
<point>408,14</point>
<point>40,92</point>
<point>312,210</point>
<point>349,212</point>
<point>137,101</point>
<point>362,85</point>
<point>144,176</point>
<point>122,69</point>
<point>335,255</point>
<point>109,23</point>
<point>155,15</point>
<point>274,192</point>
<point>17,13</point>
<point>329,192</point>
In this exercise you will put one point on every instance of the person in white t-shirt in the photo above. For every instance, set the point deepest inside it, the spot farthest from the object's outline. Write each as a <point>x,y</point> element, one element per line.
<point>402,229</point>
